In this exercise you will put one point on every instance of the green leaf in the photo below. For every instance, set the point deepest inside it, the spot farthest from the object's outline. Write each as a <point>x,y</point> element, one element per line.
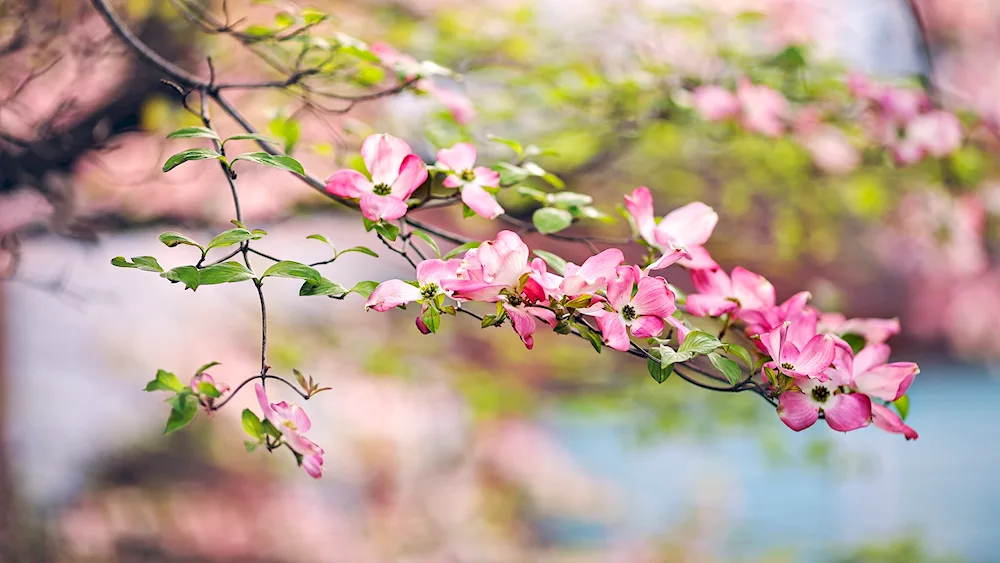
<point>279,161</point>
<point>389,231</point>
<point>557,263</point>
<point>193,132</point>
<point>512,144</point>
<point>250,446</point>
<point>656,369</point>
<point>172,239</point>
<point>550,220</point>
<point>269,428</point>
<point>183,412</point>
<point>288,130</point>
<point>791,59</point>
<point>320,238</point>
<point>856,341</point>
<point>188,275</point>
<point>537,195</point>
<point>227,272</point>
<point>144,263</point>
<point>369,224</point>
<point>249,137</point>
<point>364,288</point>
<point>209,390</point>
<point>189,154</point>
<point>728,367</point>
<point>902,405</point>
<point>698,342</point>
<point>361,249</point>
<point>292,269</point>
<point>668,356</point>
<point>312,16</point>
<point>322,287</point>
<point>252,425</point>
<point>566,200</point>
<point>431,318</point>
<point>165,381</point>
<point>467,211</point>
<point>510,174</point>
<point>427,238</point>
<point>489,320</point>
<point>461,250</point>
<point>209,365</point>
<point>230,237</point>
<point>741,353</point>
<point>595,339</point>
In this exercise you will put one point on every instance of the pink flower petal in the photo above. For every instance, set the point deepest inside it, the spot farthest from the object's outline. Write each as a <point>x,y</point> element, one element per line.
<point>647,326</point>
<point>681,328</point>
<point>752,290</point>
<point>412,173</point>
<point>300,419</point>
<point>452,181</point>
<point>654,298</point>
<point>265,405</point>
<point>524,324</point>
<point>481,201</point>
<point>887,382</point>
<point>815,356</point>
<point>712,282</point>
<point>504,259</point>
<point>845,412</point>
<point>797,410</point>
<point>668,259</point>
<point>715,103</point>
<point>869,357</point>
<point>375,207</point>
<point>546,315</point>
<point>698,259</point>
<point>472,290</point>
<point>703,305</point>
<point>887,420</point>
<point>434,270</point>
<point>619,290</point>
<point>640,206</point>
<point>348,183</point>
<point>460,157</point>
<point>487,176</point>
<point>691,224</point>
<point>313,465</point>
<point>613,331</point>
<point>391,293</point>
<point>383,154</point>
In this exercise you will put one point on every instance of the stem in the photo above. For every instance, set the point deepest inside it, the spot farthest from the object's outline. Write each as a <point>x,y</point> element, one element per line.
<point>262,377</point>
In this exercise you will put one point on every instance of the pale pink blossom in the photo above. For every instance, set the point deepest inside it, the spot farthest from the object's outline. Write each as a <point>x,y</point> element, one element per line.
<point>679,235</point>
<point>430,275</point>
<point>718,293</point>
<point>831,150</point>
<point>395,174</point>
<point>799,407</point>
<point>715,103</point>
<point>937,134</point>
<point>293,423</point>
<point>764,109</point>
<point>460,161</point>
<point>541,284</point>
<point>636,303</point>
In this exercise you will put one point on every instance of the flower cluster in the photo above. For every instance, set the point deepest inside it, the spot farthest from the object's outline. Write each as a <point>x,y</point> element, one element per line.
<point>806,358</point>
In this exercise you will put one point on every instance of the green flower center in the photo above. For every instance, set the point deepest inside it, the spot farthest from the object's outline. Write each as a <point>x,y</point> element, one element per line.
<point>514,300</point>
<point>428,291</point>
<point>787,367</point>
<point>382,189</point>
<point>468,175</point>
<point>289,424</point>
<point>628,313</point>
<point>820,394</point>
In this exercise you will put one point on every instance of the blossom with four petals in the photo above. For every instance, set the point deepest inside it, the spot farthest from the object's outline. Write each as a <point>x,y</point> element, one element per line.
<point>395,174</point>
<point>460,160</point>
<point>637,303</point>
<point>679,235</point>
<point>293,423</point>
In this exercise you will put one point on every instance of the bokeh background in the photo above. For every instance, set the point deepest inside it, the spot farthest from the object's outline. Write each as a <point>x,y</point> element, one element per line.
<point>465,446</point>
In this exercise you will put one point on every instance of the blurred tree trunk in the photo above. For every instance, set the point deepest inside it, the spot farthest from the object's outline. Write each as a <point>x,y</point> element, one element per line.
<point>12,537</point>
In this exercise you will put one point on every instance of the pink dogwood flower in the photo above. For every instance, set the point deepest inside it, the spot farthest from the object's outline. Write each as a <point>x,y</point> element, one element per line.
<point>430,275</point>
<point>715,103</point>
<point>491,273</point>
<point>460,160</point>
<point>793,354</point>
<point>719,293</point>
<point>679,235</point>
<point>395,174</point>
<point>799,407</point>
<point>636,303</point>
<point>868,372</point>
<point>937,134</point>
<point>293,423</point>
<point>764,109</point>
<point>767,318</point>
<point>884,418</point>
